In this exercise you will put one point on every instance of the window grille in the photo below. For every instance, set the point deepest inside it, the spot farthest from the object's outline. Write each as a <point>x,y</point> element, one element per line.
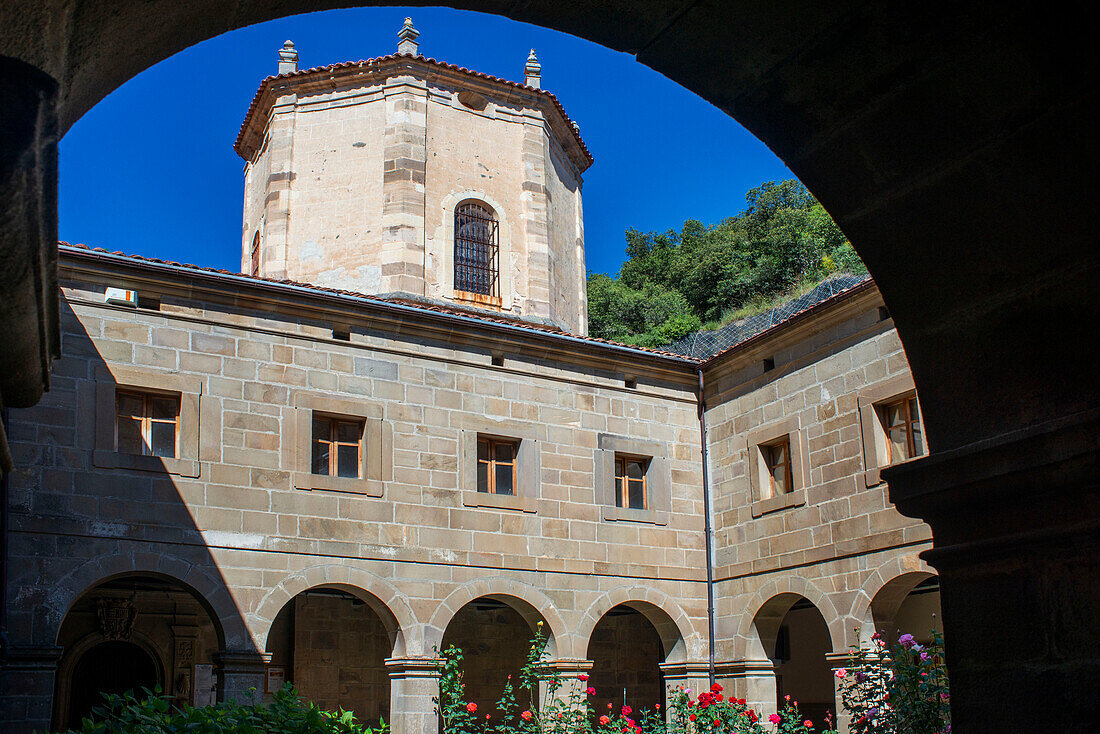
<point>477,252</point>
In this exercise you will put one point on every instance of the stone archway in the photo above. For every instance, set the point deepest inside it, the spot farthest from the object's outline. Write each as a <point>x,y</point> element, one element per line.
<point>963,138</point>
<point>131,631</point>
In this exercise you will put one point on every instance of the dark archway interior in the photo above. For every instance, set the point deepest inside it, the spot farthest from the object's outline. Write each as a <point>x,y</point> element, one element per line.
<point>115,666</point>
<point>801,669</point>
<point>332,646</point>
<point>134,631</point>
<point>495,640</point>
<point>626,651</point>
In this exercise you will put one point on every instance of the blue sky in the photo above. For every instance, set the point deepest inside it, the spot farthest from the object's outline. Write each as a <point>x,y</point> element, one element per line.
<point>151,169</point>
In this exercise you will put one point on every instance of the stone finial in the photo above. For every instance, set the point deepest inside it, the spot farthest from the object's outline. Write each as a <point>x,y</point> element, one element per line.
<point>288,58</point>
<point>407,39</point>
<point>532,72</point>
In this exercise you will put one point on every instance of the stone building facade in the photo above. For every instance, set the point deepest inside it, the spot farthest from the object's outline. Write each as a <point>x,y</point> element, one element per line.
<point>233,560</point>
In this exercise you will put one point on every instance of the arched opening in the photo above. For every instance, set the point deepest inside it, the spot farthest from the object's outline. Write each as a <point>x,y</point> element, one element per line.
<point>793,634</point>
<point>494,634</point>
<point>332,644</point>
<point>909,603</point>
<point>476,249</point>
<point>626,652</point>
<point>134,632</point>
<point>112,666</point>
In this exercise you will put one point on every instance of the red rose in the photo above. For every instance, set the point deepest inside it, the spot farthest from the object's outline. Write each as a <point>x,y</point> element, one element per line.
<point>808,724</point>
<point>471,707</point>
<point>691,718</point>
<point>716,688</point>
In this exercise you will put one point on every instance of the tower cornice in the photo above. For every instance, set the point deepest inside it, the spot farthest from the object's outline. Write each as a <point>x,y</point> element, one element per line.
<point>336,76</point>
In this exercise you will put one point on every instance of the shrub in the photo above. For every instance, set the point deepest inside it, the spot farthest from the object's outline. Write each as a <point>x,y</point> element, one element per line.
<point>900,690</point>
<point>151,713</point>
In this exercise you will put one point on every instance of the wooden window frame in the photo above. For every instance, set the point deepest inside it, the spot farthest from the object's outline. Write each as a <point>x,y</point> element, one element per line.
<point>767,452</point>
<point>623,481</point>
<point>762,495</point>
<point>375,444</point>
<point>334,443</point>
<point>654,455</point>
<point>147,419</point>
<point>905,402</point>
<point>492,463</point>
<point>871,400</point>
<point>112,379</point>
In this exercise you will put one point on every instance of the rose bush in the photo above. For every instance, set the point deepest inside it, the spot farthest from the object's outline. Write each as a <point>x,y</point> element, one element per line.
<point>569,710</point>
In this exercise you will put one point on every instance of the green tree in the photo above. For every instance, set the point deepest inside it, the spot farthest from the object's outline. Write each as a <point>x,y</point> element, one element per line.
<point>672,282</point>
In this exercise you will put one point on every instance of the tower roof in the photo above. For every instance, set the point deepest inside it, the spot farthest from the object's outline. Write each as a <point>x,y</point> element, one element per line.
<point>327,77</point>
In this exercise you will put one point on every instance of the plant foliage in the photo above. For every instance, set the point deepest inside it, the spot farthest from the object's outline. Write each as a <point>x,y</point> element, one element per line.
<point>674,282</point>
<point>151,713</point>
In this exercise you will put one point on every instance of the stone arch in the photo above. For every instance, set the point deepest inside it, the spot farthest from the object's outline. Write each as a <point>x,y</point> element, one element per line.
<point>210,592</point>
<point>767,608</point>
<point>391,606</point>
<point>667,617</point>
<point>532,605</point>
<point>68,663</point>
<point>885,589</point>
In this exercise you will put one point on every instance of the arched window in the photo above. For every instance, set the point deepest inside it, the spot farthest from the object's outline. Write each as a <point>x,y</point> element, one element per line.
<point>477,252</point>
<point>256,254</point>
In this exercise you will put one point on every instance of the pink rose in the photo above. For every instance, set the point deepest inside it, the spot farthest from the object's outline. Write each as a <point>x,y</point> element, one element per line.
<point>774,718</point>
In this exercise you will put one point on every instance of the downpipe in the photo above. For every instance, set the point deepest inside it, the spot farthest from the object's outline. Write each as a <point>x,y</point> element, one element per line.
<point>708,530</point>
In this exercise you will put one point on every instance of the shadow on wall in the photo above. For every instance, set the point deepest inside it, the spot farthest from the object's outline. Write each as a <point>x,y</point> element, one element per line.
<point>111,583</point>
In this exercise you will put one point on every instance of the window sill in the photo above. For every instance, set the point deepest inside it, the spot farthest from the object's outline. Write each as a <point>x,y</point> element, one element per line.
<point>161,464</point>
<point>368,487</point>
<point>625,514</point>
<point>478,299</point>
<point>500,501</point>
<point>775,504</point>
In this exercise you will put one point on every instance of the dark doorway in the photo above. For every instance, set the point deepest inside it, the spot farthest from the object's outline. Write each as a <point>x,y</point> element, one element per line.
<point>110,667</point>
<point>626,651</point>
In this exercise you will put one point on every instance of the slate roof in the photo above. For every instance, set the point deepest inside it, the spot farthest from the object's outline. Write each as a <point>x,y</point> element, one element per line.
<point>707,345</point>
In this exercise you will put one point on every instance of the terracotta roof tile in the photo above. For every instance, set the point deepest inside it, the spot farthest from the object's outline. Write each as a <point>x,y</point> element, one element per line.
<point>469,314</point>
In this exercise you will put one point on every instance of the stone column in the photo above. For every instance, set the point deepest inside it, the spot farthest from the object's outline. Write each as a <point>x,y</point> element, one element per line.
<point>275,240</point>
<point>403,176</point>
<point>241,675</point>
<point>27,680</point>
<point>836,661</point>
<point>569,670</point>
<point>414,683</point>
<point>1016,532</point>
<point>694,676</point>
<point>752,680</point>
<point>535,292</point>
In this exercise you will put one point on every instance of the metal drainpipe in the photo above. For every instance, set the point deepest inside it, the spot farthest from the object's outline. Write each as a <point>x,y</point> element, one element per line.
<point>708,531</point>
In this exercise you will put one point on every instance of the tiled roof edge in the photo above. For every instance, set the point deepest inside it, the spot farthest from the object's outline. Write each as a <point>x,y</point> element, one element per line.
<point>400,304</point>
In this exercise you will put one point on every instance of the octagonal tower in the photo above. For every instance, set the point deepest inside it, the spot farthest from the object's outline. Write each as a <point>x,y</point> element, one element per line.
<point>409,178</point>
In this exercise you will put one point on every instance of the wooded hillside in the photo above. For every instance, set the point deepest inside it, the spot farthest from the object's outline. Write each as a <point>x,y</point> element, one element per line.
<point>673,283</point>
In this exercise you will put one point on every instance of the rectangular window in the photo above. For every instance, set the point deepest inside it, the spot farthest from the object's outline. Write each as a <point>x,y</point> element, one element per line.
<point>337,447</point>
<point>630,484</point>
<point>147,424</point>
<point>496,466</point>
<point>901,421</point>
<point>777,459</point>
